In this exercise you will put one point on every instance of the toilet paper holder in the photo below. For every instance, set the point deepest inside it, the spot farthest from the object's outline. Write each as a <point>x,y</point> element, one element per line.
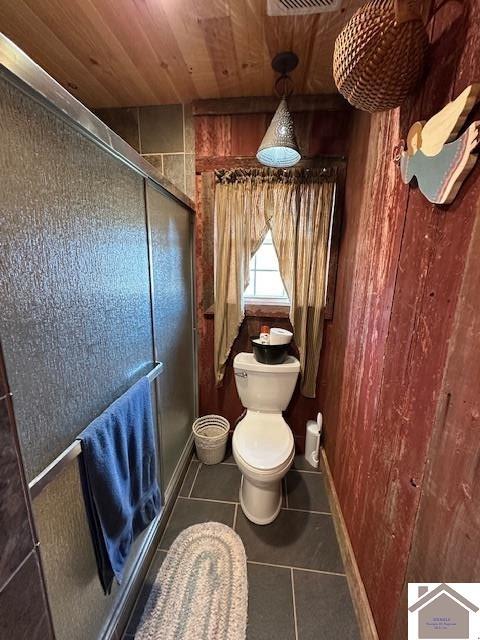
<point>312,440</point>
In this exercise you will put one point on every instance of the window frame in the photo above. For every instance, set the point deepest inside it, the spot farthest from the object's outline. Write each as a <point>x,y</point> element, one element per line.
<point>265,300</point>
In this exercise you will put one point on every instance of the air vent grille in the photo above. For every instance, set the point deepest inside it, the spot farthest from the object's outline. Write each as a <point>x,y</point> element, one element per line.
<point>301,7</point>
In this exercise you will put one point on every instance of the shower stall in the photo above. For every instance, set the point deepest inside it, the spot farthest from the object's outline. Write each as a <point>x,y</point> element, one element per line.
<point>96,288</point>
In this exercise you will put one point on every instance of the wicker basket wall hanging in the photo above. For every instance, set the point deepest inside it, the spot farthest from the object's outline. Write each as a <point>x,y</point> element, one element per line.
<point>379,55</point>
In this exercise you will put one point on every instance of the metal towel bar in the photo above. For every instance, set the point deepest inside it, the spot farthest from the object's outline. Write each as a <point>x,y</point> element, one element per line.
<point>37,485</point>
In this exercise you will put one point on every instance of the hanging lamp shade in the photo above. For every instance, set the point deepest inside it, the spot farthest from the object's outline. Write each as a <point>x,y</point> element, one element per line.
<point>279,146</point>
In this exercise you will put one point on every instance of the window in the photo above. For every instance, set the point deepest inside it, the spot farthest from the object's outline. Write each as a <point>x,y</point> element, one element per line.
<point>265,281</point>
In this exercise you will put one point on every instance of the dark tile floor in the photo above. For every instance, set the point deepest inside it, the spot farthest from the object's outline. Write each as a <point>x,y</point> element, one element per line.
<point>296,582</point>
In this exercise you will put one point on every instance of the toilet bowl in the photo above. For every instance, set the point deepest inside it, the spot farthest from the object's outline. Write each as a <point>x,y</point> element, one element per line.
<point>263,449</point>
<point>263,445</point>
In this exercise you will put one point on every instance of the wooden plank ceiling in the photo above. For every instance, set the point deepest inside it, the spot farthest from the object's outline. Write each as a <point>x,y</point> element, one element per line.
<point>112,53</point>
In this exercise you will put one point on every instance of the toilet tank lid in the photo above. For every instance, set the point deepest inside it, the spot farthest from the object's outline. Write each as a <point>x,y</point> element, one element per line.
<point>247,362</point>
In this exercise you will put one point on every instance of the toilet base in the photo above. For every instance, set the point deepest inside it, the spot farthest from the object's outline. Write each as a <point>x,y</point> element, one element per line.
<point>261,503</point>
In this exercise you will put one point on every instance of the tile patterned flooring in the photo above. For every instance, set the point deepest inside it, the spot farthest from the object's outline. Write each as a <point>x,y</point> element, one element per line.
<point>297,587</point>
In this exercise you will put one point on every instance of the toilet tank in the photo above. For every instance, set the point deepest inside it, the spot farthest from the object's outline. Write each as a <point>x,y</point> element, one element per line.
<point>265,387</point>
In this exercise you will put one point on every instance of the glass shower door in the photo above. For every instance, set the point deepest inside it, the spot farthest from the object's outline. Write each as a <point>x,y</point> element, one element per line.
<point>171,241</point>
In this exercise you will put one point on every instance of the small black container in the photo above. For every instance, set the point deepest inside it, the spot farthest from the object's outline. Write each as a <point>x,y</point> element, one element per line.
<point>269,353</point>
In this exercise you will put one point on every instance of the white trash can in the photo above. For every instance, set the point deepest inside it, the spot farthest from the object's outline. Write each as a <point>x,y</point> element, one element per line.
<point>211,436</point>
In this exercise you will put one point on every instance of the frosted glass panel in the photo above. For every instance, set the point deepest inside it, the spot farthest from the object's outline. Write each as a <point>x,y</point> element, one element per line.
<point>75,313</point>
<point>80,610</point>
<point>171,230</point>
<point>75,323</point>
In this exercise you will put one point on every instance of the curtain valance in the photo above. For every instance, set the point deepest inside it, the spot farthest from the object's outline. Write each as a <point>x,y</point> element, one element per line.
<point>276,176</point>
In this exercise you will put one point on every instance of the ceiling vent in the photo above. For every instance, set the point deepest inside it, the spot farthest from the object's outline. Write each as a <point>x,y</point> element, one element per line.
<point>301,7</point>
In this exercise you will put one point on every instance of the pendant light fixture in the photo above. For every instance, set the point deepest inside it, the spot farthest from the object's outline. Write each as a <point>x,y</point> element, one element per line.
<point>279,146</point>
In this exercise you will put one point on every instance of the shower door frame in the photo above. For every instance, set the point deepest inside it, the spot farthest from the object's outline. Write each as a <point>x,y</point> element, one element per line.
<point>168,490</point>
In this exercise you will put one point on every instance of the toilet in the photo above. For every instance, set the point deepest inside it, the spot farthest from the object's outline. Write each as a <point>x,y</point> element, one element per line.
<point>262,444</point>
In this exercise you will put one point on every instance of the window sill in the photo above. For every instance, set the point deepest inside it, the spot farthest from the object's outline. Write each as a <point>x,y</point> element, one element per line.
<point>253,310</point>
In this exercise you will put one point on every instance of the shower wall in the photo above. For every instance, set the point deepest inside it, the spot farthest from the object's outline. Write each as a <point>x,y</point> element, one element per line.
<point>19,559</point>
<point>163,134</point>
<point>76,323</point>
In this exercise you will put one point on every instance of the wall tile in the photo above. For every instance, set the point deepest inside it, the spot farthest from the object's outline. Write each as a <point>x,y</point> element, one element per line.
<point>190,175</point>
<point>15,534</point>
<point>189,129</point>
<point>23,610</point>
<point>161,128</point>
<point>124,122</point>
<point>156,160</point>
<point>174,170</point>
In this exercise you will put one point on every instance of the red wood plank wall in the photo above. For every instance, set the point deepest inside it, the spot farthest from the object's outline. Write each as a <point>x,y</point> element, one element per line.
<point>400,376</point>
<point>217,140</point>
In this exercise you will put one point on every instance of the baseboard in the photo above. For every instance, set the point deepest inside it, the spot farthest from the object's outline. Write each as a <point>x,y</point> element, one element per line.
<point>121,614</point>
<point>368,630</point>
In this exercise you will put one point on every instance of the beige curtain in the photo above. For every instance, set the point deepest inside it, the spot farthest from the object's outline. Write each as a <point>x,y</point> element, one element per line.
<point>240,227</point>
<point>297,206</point>
<point>300,234</point>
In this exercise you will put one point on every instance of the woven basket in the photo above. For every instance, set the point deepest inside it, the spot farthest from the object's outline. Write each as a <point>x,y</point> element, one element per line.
<point>211,435</point>
<point>379,55</point>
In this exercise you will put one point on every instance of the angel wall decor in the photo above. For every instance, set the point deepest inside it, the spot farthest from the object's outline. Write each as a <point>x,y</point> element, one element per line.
<point>435,156</point>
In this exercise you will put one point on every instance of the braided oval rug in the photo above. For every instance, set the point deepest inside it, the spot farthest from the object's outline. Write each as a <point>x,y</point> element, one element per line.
<point>200,592</point>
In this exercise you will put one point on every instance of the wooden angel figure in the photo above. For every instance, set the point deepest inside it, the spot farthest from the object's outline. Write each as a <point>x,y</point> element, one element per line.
<point>435,156</point>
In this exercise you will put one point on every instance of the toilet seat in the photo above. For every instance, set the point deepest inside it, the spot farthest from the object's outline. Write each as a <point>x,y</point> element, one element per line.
<point>263,441</point>
<point>264,474</point>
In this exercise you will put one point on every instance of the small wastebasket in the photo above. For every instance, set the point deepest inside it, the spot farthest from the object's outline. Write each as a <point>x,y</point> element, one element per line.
<point>211,435</point>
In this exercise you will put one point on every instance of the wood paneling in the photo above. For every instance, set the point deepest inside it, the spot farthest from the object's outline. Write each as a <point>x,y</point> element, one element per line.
<point>405,324</point>
<point>225,141</point>
<point>269,104</point>
<point>126,53</point>
<point>451,484</point>
<point>361,605</point>
<point>219,139</point>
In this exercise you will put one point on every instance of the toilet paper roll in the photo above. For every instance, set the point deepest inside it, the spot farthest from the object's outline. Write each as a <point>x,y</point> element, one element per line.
<point>280,336</point>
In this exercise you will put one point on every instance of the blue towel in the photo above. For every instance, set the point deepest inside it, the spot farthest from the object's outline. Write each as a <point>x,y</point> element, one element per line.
<point>119,479</point>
